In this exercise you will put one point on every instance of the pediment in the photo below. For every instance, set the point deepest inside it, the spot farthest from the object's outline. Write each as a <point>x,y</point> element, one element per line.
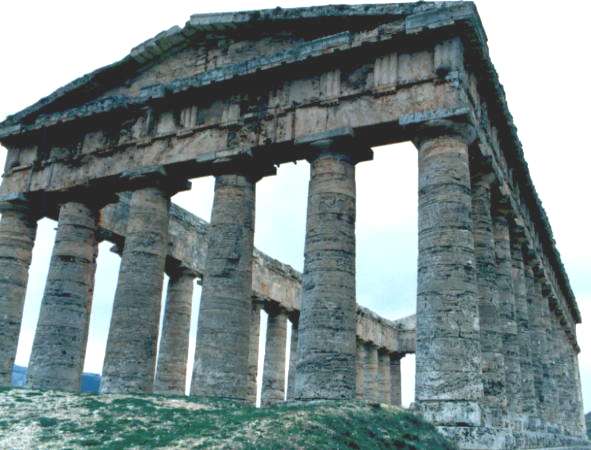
<point>208,43</point>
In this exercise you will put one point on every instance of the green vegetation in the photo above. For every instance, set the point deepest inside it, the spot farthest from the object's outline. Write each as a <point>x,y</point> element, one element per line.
<point>55,420</point>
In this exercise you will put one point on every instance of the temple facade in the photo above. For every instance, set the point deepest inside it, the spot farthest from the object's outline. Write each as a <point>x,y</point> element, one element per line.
<point>233,96</point>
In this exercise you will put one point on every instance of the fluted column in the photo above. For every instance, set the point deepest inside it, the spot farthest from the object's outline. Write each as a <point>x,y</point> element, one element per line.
<point>253,352</point>
<point>370,374</point>
<point>384,377</point>
<point>359,371</point>
<point>59,347</point>
<point>395,380</point>
<point>520,286</point>
<point>448,361</point>
<point>171,371</point>
<point>133,335</point>
<point>580,424</point>
<point>18,228</point>
<point>293,357</point>
<point>507,313</point>
<point>224,325</point>
<point>273,389</point>
<point>494,406</point>
<point>327,335</point>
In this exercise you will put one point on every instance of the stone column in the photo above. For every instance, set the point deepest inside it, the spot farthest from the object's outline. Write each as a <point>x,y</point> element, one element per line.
<point>448,362</point>
<point>273,389</point>
<point>494,405</point>
<point>359,370</point>
<point>328,318</point>
<point>536,335</point>
<point>18,228</point>
<point>171,372</point>
<point>384,377</point>
<point>293,357</point>
<point>133,335</point>
<point>59,347</point>
<point>370,374</point>
<point>507,313</point>
<point>520,286</point>
<point>395,380</point>
<point>548,354</point>
<point>253,352</point>
<point>580,424</point>
<point>224,325</point>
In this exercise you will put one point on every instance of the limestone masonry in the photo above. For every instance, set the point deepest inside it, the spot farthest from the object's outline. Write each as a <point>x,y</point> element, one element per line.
<point>234,95</point>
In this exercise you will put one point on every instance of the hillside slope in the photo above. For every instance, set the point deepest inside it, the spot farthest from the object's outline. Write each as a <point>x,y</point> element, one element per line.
<point>35,419</point>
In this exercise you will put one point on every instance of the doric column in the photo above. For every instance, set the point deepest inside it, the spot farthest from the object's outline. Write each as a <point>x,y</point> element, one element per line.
<point>359,370</point>
<point>273,389</point>
<point>395,380</point>
<point>384,376</point>
<point>130,357</point>
<point>580,424</point>
<point>557,374</point>
<point>370,374</point>
<point>253,351</point>
<point>520,286</point>
<point>224,324</point>
<point>494,407</point>
<point>293,357</point>
<point>171,371</point>
<point>326,347</point>
<point>448,362</point>
<point>536,335</point>
<point>18,227</point>
<point>507,312</point>
<point>566,383</point>
<point>59,347</point>
<point>548,359</point>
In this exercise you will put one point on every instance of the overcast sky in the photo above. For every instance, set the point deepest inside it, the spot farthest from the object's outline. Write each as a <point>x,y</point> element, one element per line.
<point>540,51</point>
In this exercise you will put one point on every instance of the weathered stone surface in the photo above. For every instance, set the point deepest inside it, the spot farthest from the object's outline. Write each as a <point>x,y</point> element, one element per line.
<point>370,374</point>
<point>17,236</point>
<point>507,314</point>
<point>223,329</point>
<point>384,382</point>
<point>253,352</point>
<point>395,381</point>
<point>326,346</point>
<point>520,286</point>
<point>59,347</point>
<point>273,389</point>
<point>293,359</point>
<point>360,371</point>
<point>130,357</point>
<point>448,362</point>
<point>173,353</point>
<point>494,406</point>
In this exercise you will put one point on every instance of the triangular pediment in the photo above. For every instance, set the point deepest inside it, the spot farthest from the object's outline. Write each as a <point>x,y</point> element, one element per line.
<point>208,42</point>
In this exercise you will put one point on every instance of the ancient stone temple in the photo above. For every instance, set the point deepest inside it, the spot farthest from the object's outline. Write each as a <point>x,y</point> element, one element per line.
<point>233,96</point>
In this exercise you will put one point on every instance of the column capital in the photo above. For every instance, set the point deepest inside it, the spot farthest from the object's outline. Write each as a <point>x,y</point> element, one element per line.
<point>247,164</point>
<point>17,202</point>
<point>341,141</point>
<point>463,130</point>
<point>152,176</point>
<point>175,269</point>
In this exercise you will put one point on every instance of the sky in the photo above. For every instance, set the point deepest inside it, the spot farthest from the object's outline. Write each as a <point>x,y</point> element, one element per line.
<point>539,49</point>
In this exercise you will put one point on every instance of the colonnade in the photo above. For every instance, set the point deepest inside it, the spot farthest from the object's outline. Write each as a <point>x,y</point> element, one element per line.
<point>491,347</point>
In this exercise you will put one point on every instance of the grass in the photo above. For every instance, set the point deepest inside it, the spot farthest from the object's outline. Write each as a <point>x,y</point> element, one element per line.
<point>55,420</point>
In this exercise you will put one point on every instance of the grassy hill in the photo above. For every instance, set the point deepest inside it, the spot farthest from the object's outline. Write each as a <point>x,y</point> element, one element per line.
<point>36,419</point>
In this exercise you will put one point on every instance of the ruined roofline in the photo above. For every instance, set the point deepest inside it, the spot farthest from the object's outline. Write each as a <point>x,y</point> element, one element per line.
<point>150,51</point>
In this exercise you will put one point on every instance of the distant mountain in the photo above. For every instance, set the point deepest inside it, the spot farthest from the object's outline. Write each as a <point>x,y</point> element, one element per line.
<point>89,382</point>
